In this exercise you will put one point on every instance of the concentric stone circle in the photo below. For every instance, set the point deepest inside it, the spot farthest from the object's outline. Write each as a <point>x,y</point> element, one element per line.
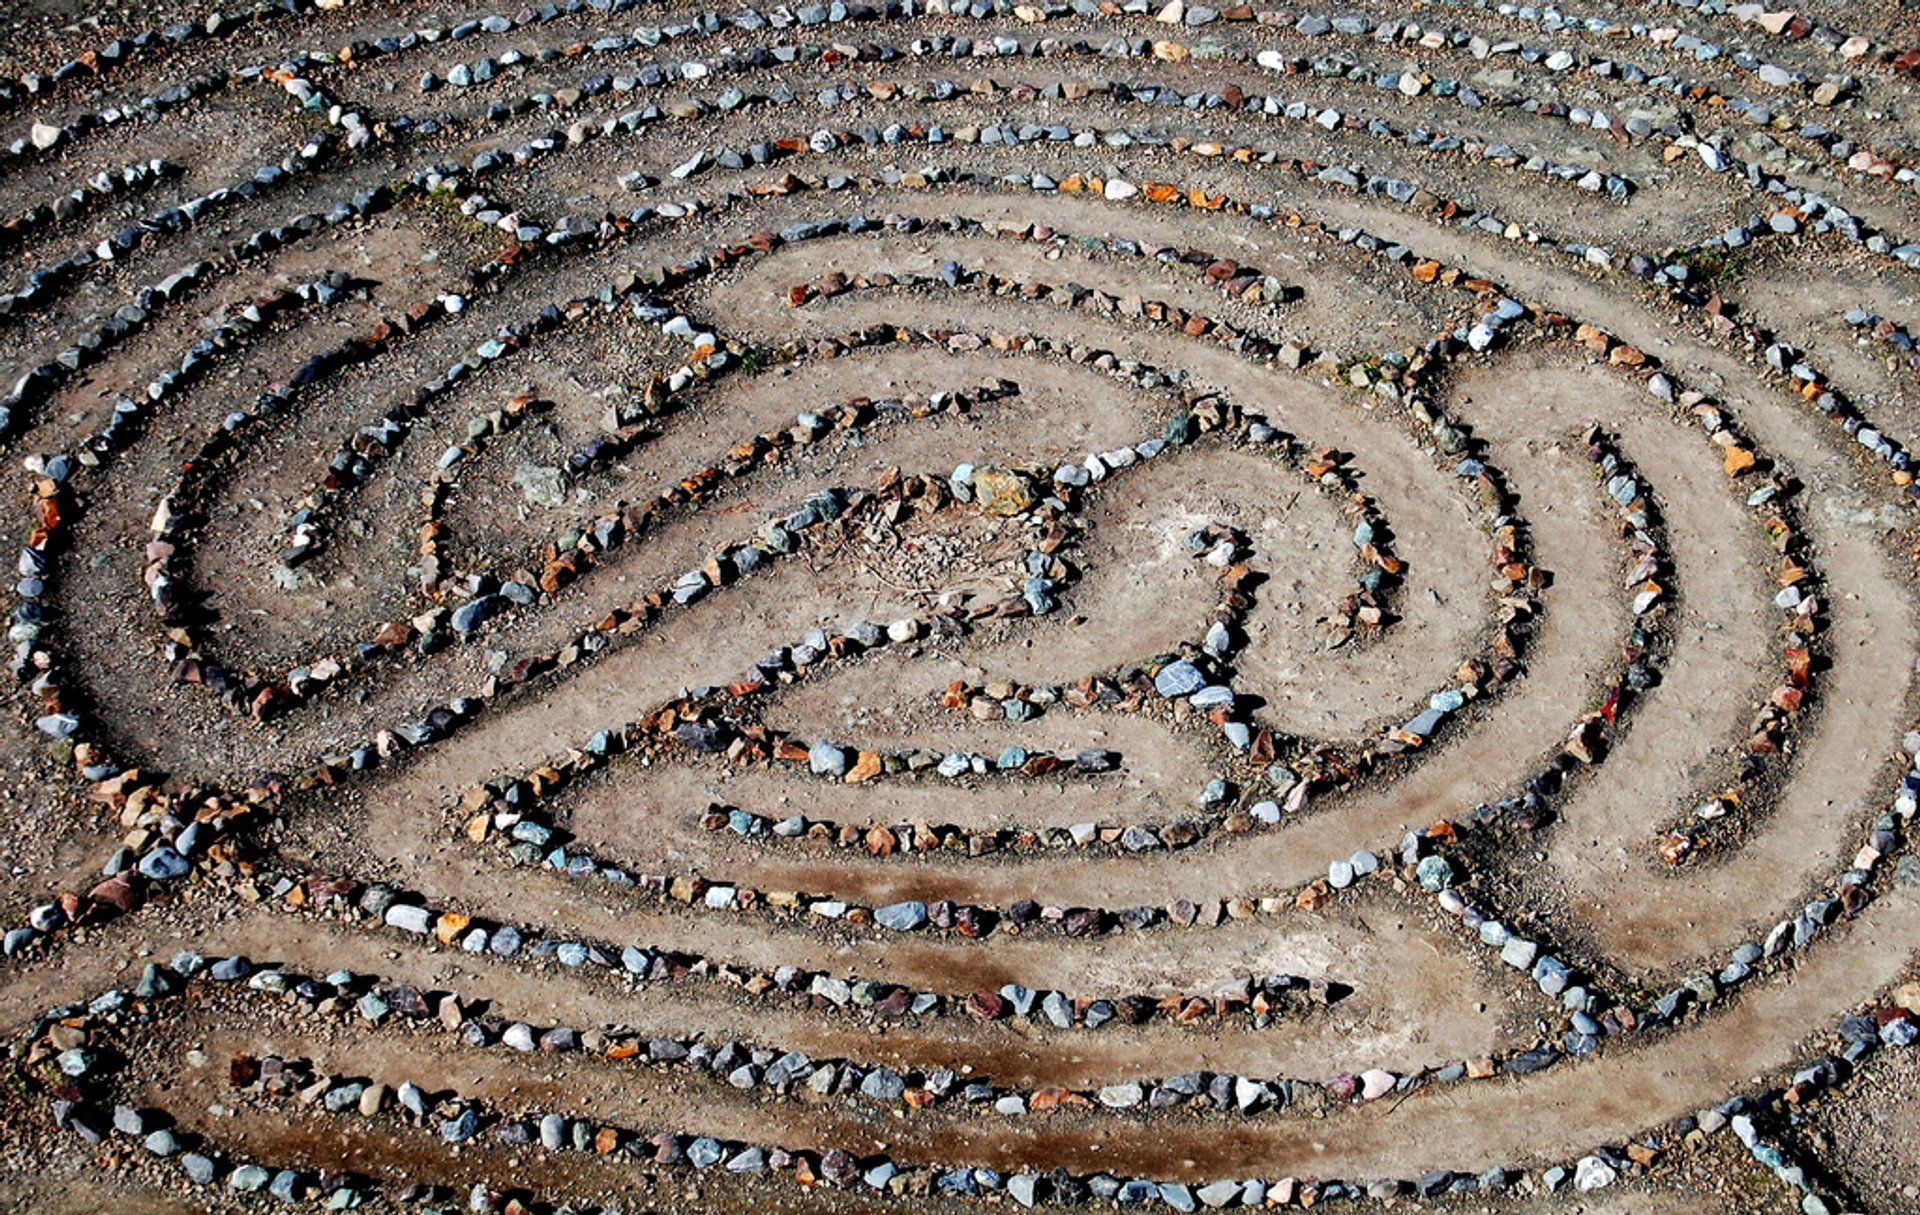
<point>926,605</point>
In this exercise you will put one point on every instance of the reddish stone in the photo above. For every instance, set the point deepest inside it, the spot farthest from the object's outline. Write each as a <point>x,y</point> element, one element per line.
<point>117,893</point>
<point>986,1006</point>
<point>897,1003</point>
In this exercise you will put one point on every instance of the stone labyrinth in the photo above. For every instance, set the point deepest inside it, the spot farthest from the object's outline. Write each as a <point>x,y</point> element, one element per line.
<point>939,604</point>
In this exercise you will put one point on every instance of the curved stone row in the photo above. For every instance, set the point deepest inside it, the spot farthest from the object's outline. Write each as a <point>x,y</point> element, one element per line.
<point>1738,458</point>
<point>1470,875</point>
<point>113,57</point>
<point>1311,25</point>
<point>1846,895</point>
<point>698,70</point>
<point>265,696</point>
<point>106,184</point>
<point>1262,751</point>
<point>75,1051</point>
<point>1186,681</point>
<point>43,380</point>
<point>712,22</point>
<point>1784,81</point>
<point>1819,213</point>
<point>1660,385</point>
<point>172,828</point>
<point>1136,93</point>
<point>1261,1000</point>
<point>429,728</point>
<point>279,697</point>
<point>1893,334</point>
<point>1809,211</point>
<point>46,283</point>
<point>357,460</point>
<point>912,918</point>
<point>1165,679</point>
<point>1791,26</point>
<point>44,138</point>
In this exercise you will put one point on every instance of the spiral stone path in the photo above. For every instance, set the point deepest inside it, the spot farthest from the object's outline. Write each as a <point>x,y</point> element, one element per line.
<point>935,605</point>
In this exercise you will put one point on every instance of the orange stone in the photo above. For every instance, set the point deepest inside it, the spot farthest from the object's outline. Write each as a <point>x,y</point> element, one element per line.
<point>864,769</point>
<point>450,925</point>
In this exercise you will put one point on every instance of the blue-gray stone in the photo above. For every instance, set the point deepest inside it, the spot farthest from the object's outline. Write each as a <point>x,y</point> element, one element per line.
<point>163,864</point>
<point>462,1128</point>
<point>249,1178</point>
<point>1180,678</point>
<point>901,917</point>
<point>825,759</point>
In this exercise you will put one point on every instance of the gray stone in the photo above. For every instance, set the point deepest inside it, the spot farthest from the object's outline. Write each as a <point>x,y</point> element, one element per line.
<point>163,864</point>
<point>1593,1173</point>
<point>1518,953</point>
<point>901,917</point>
<point>285,1186</point>
<point>162,1142</point>
<point>825,759</point>
<point>469,616</point>
<point>519,1036</point>
<point>1180,678</point>
<point>409,918</point>
<point>1057,1008</point>
<point>1219,1194</point>
<point>461,1128</point>
<point>883,1084</point>
<point>249,1179</point>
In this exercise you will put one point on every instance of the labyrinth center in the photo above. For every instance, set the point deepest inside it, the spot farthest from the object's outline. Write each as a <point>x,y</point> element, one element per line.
<point>927,605</point>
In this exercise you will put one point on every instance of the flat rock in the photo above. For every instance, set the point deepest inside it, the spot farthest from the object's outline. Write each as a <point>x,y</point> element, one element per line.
<point>1180,678</point>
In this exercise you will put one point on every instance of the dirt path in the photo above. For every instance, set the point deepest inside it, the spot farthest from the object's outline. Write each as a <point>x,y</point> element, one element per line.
<point>648,816</point>
<point>1396,1025</point>
<point>1602,852</point>
<point>1411,993</point>
<point>1442,606</point>
<point>1560,1113</point>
